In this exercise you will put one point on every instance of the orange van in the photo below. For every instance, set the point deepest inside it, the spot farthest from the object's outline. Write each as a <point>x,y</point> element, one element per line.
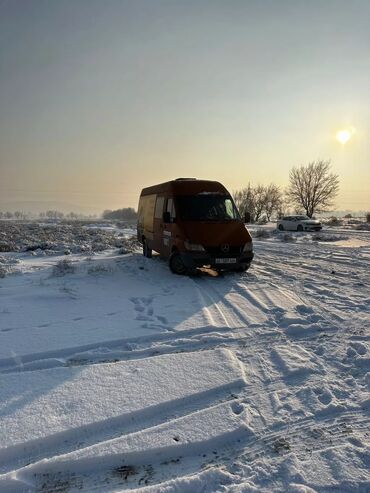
<point>193,223</point>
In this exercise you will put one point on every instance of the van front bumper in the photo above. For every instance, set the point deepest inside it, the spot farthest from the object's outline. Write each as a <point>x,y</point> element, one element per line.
<point>193,260</point>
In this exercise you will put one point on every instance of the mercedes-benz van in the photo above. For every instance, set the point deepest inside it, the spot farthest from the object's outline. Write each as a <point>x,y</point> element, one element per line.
<point>193,223</point>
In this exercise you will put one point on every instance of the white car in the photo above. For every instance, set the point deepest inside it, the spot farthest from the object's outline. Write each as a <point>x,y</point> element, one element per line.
<point>298,223</point>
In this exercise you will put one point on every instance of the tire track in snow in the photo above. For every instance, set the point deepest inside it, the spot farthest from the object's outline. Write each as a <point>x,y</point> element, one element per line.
<point>97,433</point>
<point>214,312</point>
<point>318,431</point>
<point>324,276</point>
<point>236,314</point>
<point>61,357</point>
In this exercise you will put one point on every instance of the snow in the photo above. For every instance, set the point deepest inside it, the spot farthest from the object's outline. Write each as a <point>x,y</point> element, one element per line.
<point>116,375</point>
<point>71,397</point>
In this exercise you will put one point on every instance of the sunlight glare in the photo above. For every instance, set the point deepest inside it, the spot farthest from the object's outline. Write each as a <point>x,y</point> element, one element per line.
<point>343,136</point>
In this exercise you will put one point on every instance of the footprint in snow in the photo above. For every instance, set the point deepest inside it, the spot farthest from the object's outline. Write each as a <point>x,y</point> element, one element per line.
<point>323,395</point>
<point>303,309</point>
<point>144,308</point>
<point>359,347</point>
<point>237,408</point>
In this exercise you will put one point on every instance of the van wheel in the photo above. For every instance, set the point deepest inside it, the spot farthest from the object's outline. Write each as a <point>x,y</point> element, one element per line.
<point>147,252</point>
<point>177,266</point>
<point>299,227</point>
<point>281,227</point>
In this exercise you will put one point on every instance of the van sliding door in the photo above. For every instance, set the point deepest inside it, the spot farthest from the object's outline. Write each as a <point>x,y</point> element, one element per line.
<point>168,228</point>
<point>158,223</point>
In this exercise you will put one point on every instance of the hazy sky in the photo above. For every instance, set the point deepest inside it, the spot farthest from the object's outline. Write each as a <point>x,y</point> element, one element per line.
<point>101,98</point>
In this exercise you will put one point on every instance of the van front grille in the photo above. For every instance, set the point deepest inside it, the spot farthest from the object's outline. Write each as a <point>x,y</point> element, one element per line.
<point>217,251</point>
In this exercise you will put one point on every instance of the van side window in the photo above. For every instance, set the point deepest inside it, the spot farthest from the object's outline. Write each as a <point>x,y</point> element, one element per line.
<point>171,209</point>
<point>229,209</point>
<point>159,207</point>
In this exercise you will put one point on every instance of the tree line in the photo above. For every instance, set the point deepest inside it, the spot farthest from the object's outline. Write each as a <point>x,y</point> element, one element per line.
<point>50,214</point>
<point>312,188</point>
<point>125,214</point>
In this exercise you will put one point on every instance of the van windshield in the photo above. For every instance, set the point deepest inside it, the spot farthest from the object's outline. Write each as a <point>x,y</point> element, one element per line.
<point>207,207</point>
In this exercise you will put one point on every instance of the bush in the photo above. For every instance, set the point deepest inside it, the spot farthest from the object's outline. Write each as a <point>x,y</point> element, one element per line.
<point>288,237</point>
<point>261,233</point>
<point>262,221</point>
<point>75,237</point>
<point>129,245</point>
<point>7,246</point>
<point>98,269</point>
<point>363,227</point>
<point>3,271</point>
<point>63,267</point>
<point>333,221</point>
<point>100,246</point>
<point>326,237</point>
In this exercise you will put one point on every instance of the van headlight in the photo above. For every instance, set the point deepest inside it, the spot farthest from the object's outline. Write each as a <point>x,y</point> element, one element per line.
<point>248,247</point>
<point>193,247</point>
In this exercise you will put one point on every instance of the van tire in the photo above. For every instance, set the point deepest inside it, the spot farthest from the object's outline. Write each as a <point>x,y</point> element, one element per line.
<point>281,227</point>
<point>299,227</point>
<point>177,266</point>
<point>147,252</point>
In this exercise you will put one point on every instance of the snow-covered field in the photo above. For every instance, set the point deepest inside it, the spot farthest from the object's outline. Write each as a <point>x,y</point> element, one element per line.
<point>116,375</point>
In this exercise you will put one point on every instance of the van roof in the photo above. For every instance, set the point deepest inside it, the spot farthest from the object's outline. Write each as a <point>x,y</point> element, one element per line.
<point>186,186</point>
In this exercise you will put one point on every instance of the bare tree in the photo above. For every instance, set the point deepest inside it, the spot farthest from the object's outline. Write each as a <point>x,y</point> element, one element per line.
<point>259,196</point>
<point>52,214</point>
<point>313,187</point>
<point>72,215</point>
<point>259,200</point>
<point>284,205</point>
<point>20,215</point>
<point>244,200</point>
<point>273,200</point>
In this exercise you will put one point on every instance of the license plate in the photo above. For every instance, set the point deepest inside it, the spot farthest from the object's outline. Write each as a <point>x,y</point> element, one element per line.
<point>225,260</point>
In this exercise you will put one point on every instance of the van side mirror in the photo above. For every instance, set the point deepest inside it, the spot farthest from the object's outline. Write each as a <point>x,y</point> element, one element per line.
<point>166,217</point>
<point>247,217</point>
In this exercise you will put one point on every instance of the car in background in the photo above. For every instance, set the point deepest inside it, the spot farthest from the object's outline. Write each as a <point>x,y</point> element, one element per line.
<point>298,223</point>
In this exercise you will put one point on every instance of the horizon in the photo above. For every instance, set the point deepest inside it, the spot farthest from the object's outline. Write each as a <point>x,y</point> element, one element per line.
<point>38,210</point>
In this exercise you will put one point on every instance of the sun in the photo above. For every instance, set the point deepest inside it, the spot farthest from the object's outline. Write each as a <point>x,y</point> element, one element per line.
<point>343,136</point>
